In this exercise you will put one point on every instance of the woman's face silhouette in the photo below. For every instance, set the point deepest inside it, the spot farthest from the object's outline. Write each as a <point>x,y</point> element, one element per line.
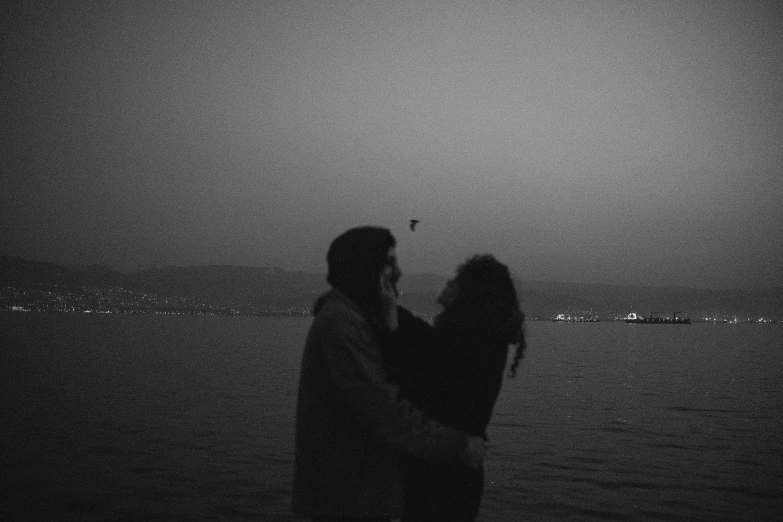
<point>449,294</point>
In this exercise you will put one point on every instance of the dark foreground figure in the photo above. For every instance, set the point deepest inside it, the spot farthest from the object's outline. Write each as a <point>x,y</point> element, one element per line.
<point>453,371</point>
<point>353,427</point>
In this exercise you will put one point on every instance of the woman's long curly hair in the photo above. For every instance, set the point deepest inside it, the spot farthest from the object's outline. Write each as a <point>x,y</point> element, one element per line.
<point>486,305</point>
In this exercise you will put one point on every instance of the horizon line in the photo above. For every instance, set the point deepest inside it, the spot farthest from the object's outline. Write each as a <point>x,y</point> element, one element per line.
<point>422,274</point>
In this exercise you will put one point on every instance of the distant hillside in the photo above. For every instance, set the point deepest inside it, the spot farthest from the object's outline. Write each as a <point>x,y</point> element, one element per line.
<point>257,287</point>
<point>621,299</point>
<point>274,289</point>
<point>221,287</point>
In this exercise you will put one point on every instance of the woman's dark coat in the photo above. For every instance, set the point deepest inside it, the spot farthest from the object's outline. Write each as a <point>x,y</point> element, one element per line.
<point>455,379</point>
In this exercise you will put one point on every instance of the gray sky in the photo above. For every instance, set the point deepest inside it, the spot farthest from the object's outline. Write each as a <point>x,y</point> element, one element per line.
<point>593,141</point>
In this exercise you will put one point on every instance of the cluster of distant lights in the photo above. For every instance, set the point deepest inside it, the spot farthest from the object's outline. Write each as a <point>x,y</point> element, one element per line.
<point>575,318</point>
<point>304,311</point>
<point>735,320</point>
<point>570,318</point>
<point>285,312</point>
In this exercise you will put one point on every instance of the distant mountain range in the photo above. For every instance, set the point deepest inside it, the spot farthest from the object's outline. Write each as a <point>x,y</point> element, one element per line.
<point>232,289</point>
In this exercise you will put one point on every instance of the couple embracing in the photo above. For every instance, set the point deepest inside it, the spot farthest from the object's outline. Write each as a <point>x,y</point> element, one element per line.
<point>392,411</point>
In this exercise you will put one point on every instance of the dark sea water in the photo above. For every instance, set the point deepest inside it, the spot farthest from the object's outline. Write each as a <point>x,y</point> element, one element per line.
<point>110,417</point>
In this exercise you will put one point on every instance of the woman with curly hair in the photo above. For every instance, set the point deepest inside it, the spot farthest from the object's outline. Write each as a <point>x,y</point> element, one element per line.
<point>453,371</point>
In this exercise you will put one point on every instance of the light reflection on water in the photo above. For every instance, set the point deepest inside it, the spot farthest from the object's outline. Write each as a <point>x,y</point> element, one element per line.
<point>187,418</point>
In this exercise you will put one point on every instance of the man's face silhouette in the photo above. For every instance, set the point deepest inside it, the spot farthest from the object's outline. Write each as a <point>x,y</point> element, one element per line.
<point>391,269</point>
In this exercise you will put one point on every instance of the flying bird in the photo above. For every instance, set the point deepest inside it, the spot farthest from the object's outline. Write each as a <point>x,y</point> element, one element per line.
<point>413,223</point>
